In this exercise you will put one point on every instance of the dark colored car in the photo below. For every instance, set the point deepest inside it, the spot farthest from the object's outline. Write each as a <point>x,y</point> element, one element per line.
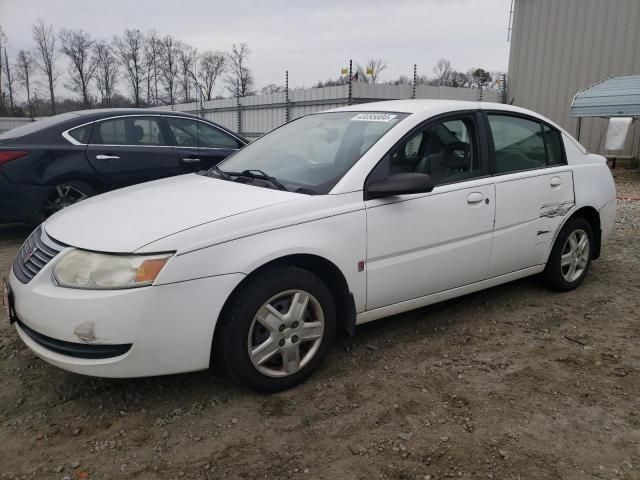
<point>52,163</point>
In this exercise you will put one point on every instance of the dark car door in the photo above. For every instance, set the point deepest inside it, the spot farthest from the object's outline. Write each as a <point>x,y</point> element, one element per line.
<point>200,145</point>
<point>131,149</point>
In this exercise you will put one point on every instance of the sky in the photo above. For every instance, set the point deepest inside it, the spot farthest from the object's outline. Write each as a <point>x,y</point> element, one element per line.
<point>312,40</point>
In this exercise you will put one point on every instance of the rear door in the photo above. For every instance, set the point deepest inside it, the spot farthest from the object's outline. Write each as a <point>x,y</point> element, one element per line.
<point>199,145</point>
<point>131,149</point>
<point>534,190</point>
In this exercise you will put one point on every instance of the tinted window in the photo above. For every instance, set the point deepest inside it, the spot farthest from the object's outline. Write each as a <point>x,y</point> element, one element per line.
<point>32,127</point>
<point>191,133</point>
<point>128,131</point>
<point>520,144</point>
<point>81,134</point>
<point>553,139</point>
<point>446,150</point>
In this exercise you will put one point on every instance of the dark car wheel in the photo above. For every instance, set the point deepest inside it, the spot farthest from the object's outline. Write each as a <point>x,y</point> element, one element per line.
<point>571,256</point>
<point>60,196</point>
<point>276,329</point>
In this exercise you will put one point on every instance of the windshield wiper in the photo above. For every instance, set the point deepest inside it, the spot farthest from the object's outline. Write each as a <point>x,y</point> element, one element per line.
<point>253,174</point>
<point>259,175</point>
<point>222,173</point>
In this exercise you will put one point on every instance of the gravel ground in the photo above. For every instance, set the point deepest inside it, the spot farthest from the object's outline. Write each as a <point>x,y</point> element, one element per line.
<point>515,382</point>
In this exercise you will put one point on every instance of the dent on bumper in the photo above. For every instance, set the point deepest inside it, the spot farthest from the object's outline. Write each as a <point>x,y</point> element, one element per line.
<point>169,327</point>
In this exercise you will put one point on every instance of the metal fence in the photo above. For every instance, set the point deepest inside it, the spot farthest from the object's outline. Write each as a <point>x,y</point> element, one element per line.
<point>256,115</point>
<point>7,123</point>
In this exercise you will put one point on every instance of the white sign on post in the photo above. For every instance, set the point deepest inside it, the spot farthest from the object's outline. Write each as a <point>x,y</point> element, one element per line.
<point>617,133</point>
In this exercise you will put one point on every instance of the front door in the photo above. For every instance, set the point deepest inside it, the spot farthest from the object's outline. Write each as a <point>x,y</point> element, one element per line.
<point>422,244</point>
<point>129,150</point>
<point>199,145</point>
<point>534,191</point>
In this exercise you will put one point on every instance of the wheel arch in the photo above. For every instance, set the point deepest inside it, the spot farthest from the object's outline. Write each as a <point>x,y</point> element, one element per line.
<point>327,271</point>
<point>591,215</point>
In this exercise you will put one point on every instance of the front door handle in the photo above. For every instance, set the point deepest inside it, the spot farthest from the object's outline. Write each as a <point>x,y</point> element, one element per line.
<point>555,181</point>
<point>474,198</point>
<point>191,160</point>
<point>107,157</point>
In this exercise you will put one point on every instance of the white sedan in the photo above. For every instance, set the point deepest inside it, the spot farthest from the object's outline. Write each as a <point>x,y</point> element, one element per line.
<point>330,221</point>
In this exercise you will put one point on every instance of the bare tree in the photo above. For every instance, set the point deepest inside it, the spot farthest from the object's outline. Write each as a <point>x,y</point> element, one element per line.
<point>187,58</point>
<point>24,68</point>
<point>77,45</point>
<point>272,88</point>
<point>443,72</point>
<point>45,39</point>
<point>240,80</point>
<point>152,66</point>
<point>169,55</point>
<point>212,65</point>
<point>9,78</point>
<point>373,68</point>
<point>106,71</point>
<point>130,49</point>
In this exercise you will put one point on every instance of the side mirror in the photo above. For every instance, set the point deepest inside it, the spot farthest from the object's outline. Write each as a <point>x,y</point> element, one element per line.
<point>401,184</point>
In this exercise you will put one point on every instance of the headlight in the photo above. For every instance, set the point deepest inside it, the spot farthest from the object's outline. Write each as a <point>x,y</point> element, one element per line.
<point>97,271</point>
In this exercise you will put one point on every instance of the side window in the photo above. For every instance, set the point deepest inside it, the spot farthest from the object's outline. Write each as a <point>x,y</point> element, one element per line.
<point>185,131</point>
<point>448,151</point>
<point>128,131</point>
<point>81,134</point>
<point>211,137</point>
<point>192,133</point>
<point>553,139</point>
<point>520,144</point>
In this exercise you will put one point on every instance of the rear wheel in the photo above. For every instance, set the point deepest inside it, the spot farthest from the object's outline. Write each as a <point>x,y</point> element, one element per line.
<point>571,256</point>
<point>63,195</point>
<point>276,329</point>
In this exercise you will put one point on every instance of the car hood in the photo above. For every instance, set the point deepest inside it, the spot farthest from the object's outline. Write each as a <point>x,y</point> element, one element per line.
<point>125,220</point>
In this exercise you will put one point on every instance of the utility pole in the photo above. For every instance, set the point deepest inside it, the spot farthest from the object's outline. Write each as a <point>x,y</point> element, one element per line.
<point>415,80</point>
<point>350,99</point>
<point>286,96</point>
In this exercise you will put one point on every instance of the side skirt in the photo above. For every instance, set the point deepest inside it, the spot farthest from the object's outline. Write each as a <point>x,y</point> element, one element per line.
<point>419,302</point>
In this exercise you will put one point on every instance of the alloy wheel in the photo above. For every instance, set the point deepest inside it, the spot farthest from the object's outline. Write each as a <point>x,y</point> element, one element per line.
<point>285,333</point>
<point>575,255</point>
<point>61,196</point>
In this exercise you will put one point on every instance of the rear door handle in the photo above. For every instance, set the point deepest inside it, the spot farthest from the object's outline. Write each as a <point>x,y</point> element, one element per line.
<point>107,157</point>
<point>474,198</point>
<point>191,160</point>
<point>555,181</point>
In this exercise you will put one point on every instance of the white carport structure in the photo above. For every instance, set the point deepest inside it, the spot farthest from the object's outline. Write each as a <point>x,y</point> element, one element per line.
<point>613,98</point>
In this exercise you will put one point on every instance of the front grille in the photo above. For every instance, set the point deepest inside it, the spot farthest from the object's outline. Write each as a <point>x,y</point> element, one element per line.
<point>35,253</point>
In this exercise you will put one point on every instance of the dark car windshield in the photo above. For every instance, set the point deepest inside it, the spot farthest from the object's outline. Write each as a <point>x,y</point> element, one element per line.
<point>313,153</point>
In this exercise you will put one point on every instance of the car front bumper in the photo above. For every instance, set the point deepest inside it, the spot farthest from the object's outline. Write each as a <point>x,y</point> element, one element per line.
<point>160,330</point>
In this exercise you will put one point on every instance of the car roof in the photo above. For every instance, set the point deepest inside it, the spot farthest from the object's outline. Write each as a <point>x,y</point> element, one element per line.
<point>106,112</point>
<point>426,106</point>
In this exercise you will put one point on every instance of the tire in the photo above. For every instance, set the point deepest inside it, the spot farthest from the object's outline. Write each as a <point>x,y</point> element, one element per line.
<point>63,195</point>
<point>568,262</point>
<point>279,328</point>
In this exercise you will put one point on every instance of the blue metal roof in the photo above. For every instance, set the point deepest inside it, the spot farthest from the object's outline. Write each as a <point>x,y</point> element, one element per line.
<point>613,97</point>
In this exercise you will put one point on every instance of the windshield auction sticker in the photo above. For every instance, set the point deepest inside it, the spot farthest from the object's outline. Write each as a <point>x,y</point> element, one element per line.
<point>374,117</point>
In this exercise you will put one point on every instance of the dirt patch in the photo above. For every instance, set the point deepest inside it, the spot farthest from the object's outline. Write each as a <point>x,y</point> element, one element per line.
<point>513,382</point>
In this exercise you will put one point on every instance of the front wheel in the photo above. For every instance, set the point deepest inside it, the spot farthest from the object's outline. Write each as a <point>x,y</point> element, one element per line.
<point>571,256</point>
<point>276,329</point>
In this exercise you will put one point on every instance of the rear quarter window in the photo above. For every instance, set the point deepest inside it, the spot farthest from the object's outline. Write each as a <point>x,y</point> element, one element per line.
<point>81,134</point>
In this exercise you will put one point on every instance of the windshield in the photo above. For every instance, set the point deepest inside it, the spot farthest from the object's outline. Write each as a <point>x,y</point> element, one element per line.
<point>311,154</point>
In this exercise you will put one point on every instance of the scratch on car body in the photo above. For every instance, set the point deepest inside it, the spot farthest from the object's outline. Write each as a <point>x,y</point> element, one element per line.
<point>558,209</point>
<point>86,332</point>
